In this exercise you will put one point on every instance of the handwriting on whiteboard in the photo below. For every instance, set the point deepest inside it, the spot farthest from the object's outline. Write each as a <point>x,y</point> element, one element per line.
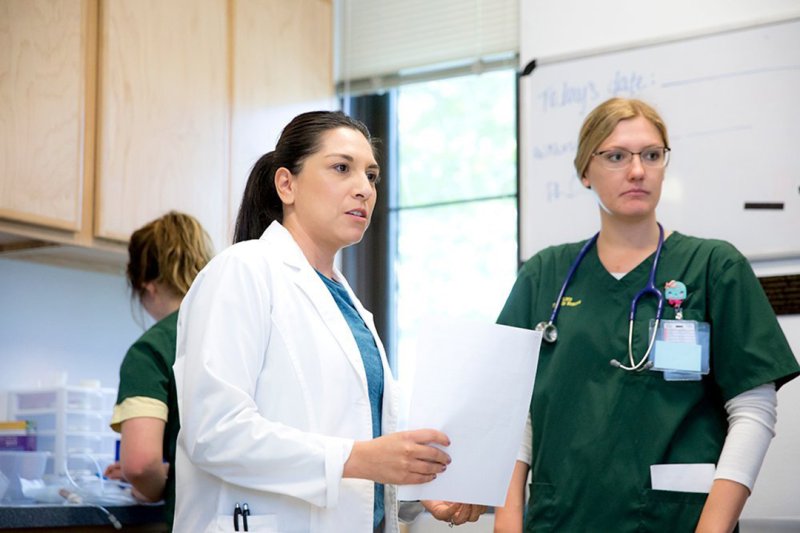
<point>554,149</point>
<point>582,96</point>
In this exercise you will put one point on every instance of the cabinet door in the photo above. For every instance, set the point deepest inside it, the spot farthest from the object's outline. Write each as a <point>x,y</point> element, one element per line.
<point>47,63</point>
<point>163,116</point>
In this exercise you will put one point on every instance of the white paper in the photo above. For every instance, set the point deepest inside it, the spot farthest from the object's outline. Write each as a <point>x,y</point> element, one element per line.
<point>695,477</point>
<point>678,356</point>
<point>474,382</point>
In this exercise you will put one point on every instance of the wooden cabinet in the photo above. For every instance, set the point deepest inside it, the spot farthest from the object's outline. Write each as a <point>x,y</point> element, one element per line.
<point>47,64</point>
<point>113,112</point>
<point>163,114</point>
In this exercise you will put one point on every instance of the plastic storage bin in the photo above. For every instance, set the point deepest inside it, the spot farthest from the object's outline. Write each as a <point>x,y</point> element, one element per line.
<point>24,465</point>
<point>69,420</point>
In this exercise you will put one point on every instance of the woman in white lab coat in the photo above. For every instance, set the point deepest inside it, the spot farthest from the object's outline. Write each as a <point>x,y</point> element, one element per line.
<point>286,400</point>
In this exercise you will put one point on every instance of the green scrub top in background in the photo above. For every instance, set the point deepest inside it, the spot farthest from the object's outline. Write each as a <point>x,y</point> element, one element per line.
<point>146,371</point>
<point>597,429</point>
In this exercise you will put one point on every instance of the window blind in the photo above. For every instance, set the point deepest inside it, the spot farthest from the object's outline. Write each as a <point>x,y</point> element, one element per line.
<point>382,39</point>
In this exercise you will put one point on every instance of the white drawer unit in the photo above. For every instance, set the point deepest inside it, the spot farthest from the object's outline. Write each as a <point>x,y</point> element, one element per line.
<point>70,421</point>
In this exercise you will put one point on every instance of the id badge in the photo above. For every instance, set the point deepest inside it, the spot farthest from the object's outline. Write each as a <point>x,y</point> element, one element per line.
<point>681,349</point>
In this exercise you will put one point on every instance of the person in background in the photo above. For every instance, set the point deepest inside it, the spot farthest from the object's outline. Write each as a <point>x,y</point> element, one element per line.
<point>165,255</point>
<point>288,406</point>
<point>602,413</point>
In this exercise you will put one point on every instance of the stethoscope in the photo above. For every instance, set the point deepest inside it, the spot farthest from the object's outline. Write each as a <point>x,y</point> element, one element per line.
<point>550,332</point>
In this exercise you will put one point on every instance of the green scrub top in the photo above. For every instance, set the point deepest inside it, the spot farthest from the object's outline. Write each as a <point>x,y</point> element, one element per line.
<point>597,429</point>
<point>146,371</point>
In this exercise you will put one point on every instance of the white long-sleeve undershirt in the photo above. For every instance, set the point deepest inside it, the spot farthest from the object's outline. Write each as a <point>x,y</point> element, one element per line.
<point>751,425</point>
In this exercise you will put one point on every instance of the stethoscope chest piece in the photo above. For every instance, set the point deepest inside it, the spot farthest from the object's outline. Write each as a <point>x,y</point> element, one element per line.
<point>548,330</point>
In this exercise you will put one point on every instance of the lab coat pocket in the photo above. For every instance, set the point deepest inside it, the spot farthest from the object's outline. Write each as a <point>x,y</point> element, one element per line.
<point>666,510</point>
<point>542,509</point>
<point>265,523</point>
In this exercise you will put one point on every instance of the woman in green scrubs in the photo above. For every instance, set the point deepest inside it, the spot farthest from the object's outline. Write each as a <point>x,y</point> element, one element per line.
<point>165,255</point>
<point>597,428</point>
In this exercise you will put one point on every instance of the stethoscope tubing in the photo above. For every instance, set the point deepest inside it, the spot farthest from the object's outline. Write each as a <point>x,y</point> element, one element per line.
<point>650,288</point>
<point>651,282</point>
<point>550,332</point>
<point>573,267</point>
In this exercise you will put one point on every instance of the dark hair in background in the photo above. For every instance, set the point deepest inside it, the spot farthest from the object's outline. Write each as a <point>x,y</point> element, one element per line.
<point>301,138</point>
<point>170,250</point>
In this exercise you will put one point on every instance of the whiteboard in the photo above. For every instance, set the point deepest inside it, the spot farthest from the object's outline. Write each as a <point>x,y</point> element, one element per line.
<point>731,102</point>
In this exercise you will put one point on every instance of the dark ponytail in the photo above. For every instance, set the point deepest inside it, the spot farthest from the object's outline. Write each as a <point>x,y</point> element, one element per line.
<point>301,138</point>
<point>260,202</point>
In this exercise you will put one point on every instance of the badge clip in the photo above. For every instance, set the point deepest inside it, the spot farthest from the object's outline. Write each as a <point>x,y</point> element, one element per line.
<point>675,292</point>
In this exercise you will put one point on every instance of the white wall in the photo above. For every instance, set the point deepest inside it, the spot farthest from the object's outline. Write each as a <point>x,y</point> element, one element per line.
<point>568,27</point>
<point>56,320</point>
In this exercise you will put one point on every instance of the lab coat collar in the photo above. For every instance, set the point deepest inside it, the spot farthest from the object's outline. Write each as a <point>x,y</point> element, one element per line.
<point>303,274</point>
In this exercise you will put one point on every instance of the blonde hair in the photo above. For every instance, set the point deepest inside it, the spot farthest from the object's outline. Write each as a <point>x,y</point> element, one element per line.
<point>170,250</point>
<point>602,120</point>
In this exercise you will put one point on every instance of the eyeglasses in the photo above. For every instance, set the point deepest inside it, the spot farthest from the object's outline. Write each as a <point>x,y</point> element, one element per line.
<point>620,158</point>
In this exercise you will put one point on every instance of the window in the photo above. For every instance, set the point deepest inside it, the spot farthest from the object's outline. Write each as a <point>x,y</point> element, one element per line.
<point>456,203</point>
<point>450,186</point>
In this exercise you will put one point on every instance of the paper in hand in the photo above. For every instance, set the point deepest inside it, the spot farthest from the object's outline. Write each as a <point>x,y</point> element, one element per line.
<point>473,381</point>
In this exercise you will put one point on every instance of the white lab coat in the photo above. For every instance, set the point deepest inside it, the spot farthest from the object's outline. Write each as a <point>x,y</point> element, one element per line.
<point>272,393</point>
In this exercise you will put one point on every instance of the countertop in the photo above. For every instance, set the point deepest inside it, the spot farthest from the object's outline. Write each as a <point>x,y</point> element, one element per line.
<point>41,517</point>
